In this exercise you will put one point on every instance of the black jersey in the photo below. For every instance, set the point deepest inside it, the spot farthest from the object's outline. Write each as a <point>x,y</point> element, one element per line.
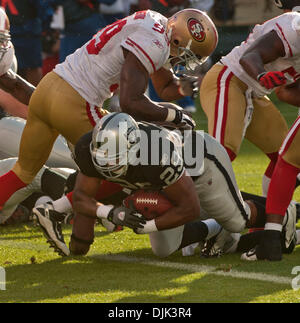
<point>157,174</point>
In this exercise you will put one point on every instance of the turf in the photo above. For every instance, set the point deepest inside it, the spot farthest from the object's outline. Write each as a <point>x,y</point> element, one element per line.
<point>120,267</point>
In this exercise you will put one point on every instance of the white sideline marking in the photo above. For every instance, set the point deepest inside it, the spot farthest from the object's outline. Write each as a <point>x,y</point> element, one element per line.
<point>212,270</point>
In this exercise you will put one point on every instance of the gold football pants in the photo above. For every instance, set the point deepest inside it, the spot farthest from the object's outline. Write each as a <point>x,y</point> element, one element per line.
<point>54,108</point>
<point>223,99</point>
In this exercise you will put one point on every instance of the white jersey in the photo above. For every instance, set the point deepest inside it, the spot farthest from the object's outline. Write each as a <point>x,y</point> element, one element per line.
<point>287,27</point>
<point>94,69</point>
<point>7,60</point>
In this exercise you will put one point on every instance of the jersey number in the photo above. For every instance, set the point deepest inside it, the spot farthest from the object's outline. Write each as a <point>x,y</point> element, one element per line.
<point>103,36</point>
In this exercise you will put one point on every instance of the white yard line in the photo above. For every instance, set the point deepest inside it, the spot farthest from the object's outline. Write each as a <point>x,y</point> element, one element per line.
<point>212,270</point>
<point>193,268</point>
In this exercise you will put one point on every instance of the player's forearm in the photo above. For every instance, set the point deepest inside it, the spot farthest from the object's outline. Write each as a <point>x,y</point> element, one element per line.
<point>171,92</point>
<point>288,94</point>
<point>142,108</point>
<point>85,205</point>
<point>252,64</point>
<point>12,106</point>
<point>17,87</point>
<point>177,216</point>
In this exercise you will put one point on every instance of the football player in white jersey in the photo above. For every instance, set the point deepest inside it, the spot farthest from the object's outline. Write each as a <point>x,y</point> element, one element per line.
<point>122,55</point>
<point>236,104</point>
<point>287,168</point>
<point>9,81</point>
<point>269,58</point>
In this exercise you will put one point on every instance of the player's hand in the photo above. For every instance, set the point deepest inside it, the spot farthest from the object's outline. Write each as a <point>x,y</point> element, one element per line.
<point>188,86</point>
<point>184,121</point>
<point>270,80</point>
<point>128,217</point>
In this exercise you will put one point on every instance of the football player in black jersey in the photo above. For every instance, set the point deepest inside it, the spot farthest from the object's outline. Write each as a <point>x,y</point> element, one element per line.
<point>208,181</point>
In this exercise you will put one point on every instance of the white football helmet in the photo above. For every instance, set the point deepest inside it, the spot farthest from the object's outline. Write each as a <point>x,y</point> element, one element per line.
<point>194,37</point>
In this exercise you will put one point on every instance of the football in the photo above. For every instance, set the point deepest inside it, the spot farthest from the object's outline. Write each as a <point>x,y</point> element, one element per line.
<point>151,204</point>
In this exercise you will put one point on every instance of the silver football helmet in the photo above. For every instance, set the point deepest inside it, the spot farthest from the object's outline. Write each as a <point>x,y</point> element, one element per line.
<point>115,144</point>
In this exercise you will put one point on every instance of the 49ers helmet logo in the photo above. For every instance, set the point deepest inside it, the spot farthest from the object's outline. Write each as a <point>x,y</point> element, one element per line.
<point>196,29</point>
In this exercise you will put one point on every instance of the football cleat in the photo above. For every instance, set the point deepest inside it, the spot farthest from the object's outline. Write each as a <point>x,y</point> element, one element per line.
<point>221,243</point>
<point>249,255</point>
<point>50,222</point>
<point>289,224</point>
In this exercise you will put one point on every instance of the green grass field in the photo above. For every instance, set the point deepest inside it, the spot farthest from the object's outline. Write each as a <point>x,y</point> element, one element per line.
<point>121,267</point>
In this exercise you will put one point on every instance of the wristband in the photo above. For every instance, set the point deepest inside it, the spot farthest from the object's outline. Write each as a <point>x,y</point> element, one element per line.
<point>149,227</point>
<point>273,226</point>
<point>259,76</point>
<point>171,115</point>
<point>103,211</point>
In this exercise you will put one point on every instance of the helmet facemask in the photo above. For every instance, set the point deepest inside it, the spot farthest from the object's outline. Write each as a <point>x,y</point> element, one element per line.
<point>187,59</point>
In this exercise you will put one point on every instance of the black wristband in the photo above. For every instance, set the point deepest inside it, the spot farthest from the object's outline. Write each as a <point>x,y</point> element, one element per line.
<point>178,117</point>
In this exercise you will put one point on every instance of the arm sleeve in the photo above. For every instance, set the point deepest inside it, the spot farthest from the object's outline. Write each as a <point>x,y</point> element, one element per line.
<point>289,33</point>
<point>151,49</point>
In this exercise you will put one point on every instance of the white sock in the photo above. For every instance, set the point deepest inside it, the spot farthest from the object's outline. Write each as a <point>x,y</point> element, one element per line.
<point>213,228</point>
<point>265,185</point>
<point>62,205</point>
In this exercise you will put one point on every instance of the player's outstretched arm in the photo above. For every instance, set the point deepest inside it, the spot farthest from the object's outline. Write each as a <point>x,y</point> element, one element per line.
<point>85,207</point>
<point>171,88</point>
<point>133,84</point>
<point>16,86</point>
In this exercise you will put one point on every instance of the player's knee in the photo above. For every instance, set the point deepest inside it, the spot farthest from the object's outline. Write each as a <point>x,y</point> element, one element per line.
<point>234,226</point>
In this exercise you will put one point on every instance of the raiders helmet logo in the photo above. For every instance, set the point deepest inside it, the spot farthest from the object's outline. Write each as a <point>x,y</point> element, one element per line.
<point>196,30</point>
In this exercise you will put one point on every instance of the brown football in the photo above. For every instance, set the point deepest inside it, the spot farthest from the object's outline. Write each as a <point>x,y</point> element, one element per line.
<point>149,203</point>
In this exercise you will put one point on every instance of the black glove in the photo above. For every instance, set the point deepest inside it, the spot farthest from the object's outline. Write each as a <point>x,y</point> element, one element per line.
<point>128,217</point>
<point>184,121</point>
<point>188,86</point>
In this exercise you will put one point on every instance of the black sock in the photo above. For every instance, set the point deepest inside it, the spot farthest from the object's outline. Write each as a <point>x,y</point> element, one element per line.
<point>261,215</point>
<point>53,184</point>
<point>193,232</point>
